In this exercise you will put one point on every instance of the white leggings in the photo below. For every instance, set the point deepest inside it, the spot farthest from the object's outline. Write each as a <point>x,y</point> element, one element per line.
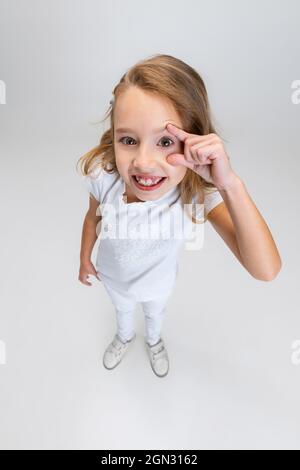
<point>125,304</point>
<point>154,311</point>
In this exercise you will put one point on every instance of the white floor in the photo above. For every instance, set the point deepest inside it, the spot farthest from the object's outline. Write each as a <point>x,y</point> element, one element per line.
<point>231,383</point>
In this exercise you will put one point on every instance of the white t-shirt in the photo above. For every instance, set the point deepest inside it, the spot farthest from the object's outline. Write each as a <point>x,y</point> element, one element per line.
<point>140,241</point>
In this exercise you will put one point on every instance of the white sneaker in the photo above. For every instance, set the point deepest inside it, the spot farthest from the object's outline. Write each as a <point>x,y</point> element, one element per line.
<point>115,351</point>
<point>158,358</point>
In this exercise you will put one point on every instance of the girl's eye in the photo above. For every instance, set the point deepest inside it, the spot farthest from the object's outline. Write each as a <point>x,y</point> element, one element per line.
<point>130,138</point>
<point>122,139</point>
<point>167,140</point>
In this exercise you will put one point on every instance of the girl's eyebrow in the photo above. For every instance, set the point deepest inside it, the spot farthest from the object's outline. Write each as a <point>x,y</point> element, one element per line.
<point>127,129</point>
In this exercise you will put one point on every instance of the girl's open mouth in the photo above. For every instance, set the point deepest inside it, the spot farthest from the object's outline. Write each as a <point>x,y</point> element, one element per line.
<point>148,184</point>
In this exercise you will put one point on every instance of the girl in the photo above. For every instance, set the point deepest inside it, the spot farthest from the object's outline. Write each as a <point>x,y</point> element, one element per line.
<point>162,155</point>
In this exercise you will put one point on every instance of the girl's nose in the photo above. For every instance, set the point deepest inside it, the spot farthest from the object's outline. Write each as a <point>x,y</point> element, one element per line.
<point>144,163</point>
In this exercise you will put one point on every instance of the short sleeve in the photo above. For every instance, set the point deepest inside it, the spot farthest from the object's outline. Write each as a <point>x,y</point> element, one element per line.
<point>211,200</point>
<point>93,183</point>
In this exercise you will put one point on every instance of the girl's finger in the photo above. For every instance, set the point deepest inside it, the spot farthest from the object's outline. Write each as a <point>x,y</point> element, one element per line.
<point>95,273</point>
<point>180,133</point>
<point>179,159</point>
<point>86,282</point>
<point>183,135</point>
<point>197,148</point>
<point>205,155</point>
<point>187,155</point>
<point>203,139</point>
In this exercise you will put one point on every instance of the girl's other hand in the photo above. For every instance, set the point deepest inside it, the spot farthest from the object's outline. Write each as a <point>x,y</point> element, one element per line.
<point>87,268</point>
<point>205,155</point>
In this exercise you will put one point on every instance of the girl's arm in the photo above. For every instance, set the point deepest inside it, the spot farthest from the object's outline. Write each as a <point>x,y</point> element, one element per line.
<point>237,220</point>
<point>88,240</point>
<point>89,230</point>
<point>244,230</point>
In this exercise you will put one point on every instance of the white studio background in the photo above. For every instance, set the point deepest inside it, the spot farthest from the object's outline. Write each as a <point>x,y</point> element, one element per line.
<point>233,381</point>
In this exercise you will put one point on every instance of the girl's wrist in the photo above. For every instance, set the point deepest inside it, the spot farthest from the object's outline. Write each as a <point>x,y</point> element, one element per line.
<point>234,183</point>
<point>84,259</point>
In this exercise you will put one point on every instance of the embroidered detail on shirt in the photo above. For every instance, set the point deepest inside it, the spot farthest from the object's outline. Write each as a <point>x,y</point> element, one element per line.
<point>140,251</point>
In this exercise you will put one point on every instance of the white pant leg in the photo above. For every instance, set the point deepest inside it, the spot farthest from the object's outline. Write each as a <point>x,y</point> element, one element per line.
<point>125,305</point>
<point>154,312</point>
<point>125,324</point>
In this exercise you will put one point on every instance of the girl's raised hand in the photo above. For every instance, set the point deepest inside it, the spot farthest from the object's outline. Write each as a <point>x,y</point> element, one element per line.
<point>205,155</point>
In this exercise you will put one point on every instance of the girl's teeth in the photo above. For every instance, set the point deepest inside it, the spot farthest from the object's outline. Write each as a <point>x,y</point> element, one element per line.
<point>148,182</point>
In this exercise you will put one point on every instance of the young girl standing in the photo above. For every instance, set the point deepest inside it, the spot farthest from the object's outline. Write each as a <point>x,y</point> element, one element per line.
<point>161,157</point>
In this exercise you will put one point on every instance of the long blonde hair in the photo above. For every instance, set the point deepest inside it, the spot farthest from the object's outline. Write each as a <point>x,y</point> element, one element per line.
<point>172,78</point>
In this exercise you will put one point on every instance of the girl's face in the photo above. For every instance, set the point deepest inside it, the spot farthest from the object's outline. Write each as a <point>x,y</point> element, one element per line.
<point>142,144</point>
